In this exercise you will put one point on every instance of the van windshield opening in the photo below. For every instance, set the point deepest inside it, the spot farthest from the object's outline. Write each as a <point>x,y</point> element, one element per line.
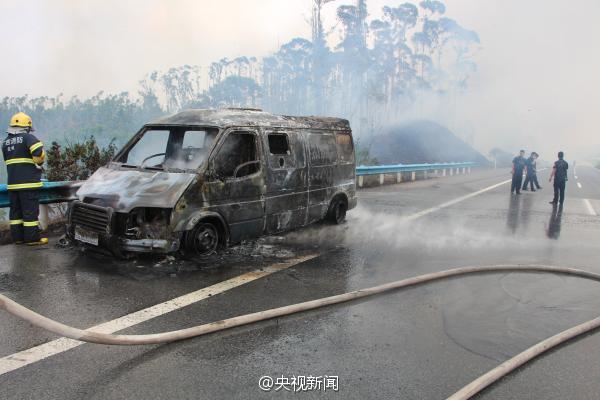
<point>175,148</point>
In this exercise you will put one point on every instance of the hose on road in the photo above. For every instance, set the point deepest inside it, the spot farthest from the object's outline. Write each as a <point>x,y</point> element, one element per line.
<point>468,391</point>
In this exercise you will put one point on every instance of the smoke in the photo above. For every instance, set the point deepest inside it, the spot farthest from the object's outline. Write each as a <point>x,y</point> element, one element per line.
<point>368,227</point>
<point>536,78</point>
<point>535,87</point>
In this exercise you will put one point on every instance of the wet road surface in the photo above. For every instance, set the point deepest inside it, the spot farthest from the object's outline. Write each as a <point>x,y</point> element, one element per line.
<point>421,343</point>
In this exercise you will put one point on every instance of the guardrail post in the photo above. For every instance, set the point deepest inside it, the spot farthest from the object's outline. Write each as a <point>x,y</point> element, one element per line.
<point>360,181</point>
<point>398,177</point>
<point>451,171</point>
<point>413,176</point>
<point>44,218</point>
<point>469,170</point>
<point>381,179</point>
<point>435,172</point>
<point>443,172</point>
<point>464,170</point>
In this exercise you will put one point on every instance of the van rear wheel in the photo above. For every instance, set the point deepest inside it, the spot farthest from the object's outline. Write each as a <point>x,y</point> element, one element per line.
<point>202,241</point>
<point>337,211</point>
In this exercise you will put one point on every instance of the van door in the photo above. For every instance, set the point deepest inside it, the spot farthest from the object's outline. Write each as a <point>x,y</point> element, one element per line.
<point>287,195</point>
<point>237,187</point>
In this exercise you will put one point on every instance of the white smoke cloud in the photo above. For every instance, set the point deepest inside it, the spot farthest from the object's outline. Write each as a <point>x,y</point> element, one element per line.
<point>536,86</point>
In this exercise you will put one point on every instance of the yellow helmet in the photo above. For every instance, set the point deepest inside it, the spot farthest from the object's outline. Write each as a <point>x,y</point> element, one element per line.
<point>22,120</point>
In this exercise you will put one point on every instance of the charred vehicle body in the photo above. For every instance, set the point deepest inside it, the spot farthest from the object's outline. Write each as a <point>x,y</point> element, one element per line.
<point>200,180</point>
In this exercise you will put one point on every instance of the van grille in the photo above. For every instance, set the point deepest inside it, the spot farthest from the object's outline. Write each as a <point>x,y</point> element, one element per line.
<point>91,217</point>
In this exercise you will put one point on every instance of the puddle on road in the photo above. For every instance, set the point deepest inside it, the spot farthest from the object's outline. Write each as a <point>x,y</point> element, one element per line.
<point>500,316</point>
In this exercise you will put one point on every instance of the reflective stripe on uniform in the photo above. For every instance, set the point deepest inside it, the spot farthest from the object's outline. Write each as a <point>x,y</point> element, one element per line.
<point>19,161</point>
<point>30,224</point>
<point>16,222</point>
<point>35,146</point>
<point>25,186</point>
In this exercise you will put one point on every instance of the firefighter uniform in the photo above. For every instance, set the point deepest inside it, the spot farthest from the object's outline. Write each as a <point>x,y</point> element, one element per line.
<point>23,155</point>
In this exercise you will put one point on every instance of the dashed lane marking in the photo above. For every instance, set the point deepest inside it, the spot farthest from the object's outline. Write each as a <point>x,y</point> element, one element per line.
<point>590,208</point>
<point>455,201</point>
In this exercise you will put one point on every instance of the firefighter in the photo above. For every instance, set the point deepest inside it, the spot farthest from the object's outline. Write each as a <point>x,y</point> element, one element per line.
<point>24,154</point>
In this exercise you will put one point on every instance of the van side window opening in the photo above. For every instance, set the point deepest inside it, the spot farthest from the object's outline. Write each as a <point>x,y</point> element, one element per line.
<point>238,156</point>
<point>323,149</point>
<point>278,144</point>
<point>283,150</point>
<point>344,147</point>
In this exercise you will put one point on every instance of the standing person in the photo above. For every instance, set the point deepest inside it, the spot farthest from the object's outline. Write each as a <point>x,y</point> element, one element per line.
<point>518,165</point>
<point>534,177</point>
<point>559,173</point>
<point>531,176</point>
<point>24,154</point>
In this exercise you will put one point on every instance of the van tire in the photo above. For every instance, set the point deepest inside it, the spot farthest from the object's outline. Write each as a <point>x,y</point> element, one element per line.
<point>337,211</point>
<point>203,240</point>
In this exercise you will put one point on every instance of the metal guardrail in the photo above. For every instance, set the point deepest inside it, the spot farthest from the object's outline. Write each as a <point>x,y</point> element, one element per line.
<point>51,192</point>
<point>392,169</point>
<point>59,192</point>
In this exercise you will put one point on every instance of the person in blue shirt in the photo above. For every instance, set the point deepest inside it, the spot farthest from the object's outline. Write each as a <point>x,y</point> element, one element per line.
<point>518,165</point>
<point>531,176</point>
<point>559,174</point>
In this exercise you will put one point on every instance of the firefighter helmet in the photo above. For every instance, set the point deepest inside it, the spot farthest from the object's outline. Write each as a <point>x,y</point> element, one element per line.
<point>21,120</point>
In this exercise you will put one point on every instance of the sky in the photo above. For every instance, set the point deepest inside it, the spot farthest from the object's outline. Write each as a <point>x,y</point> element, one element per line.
<point>537,84</point>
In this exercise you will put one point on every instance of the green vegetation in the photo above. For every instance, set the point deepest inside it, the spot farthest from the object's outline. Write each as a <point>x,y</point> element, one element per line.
<point>77,161</point>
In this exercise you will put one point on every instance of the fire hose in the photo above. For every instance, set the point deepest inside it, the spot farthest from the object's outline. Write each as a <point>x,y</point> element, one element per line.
<point>465,393</point>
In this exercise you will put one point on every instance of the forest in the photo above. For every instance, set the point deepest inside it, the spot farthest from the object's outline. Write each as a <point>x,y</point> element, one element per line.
<point>361,68</point>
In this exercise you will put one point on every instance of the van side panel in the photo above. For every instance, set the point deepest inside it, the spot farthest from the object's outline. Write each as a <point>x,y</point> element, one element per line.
<point>287,180</point>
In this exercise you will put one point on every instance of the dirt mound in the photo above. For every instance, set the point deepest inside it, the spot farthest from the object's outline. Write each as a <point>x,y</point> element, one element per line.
<point>422,142</point>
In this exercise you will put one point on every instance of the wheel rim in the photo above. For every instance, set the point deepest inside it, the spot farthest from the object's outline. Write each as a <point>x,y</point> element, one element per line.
<point>206,239</point>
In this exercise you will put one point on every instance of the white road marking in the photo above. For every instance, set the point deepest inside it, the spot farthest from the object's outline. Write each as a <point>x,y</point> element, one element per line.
<point>579,185</point>
<point>588,205</point>
<point>41,352</point>
<point>455,201</point>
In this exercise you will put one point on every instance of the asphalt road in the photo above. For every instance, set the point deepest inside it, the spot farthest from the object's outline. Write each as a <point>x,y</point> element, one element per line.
<point>420,343</point>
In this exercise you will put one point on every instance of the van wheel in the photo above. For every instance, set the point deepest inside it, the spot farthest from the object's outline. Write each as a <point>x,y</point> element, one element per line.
<point>337,211</point>
<point>202,241</point>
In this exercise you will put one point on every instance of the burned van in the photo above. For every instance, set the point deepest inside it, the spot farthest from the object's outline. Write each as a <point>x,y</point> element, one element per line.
<point>200,180</point>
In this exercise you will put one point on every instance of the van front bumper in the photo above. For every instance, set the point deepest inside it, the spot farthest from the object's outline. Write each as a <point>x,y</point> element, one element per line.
<point>149,245</point>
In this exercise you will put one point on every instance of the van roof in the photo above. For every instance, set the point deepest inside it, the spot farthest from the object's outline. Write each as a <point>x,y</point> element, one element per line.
<point>228,117</point>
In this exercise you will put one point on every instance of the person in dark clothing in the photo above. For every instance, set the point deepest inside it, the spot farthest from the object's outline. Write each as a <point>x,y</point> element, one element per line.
<point>531,176</point>
<point>517,172</point>
<point>559,174</point>
<point>23,154</point>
